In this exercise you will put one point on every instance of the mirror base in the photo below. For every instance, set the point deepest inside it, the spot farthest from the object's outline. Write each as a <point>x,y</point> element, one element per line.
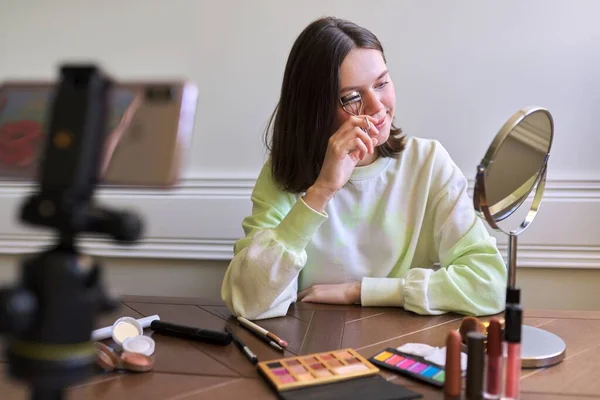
<point>540,348</point>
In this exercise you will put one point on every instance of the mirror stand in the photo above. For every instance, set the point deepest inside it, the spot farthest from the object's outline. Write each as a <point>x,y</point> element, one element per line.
<point>539,348</point>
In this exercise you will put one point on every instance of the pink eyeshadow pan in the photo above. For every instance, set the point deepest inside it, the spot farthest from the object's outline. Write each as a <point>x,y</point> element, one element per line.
<point>418,367</point>
<point>285,378</point>
<point>327,357</point>
<point>395,359</point>
<point>298,369</point>
<point>406,364</point>
<point>305,377</point>
<point>349,369</point>
<point>343,354</point>
<point>279,371</point>
<point>322,373</point>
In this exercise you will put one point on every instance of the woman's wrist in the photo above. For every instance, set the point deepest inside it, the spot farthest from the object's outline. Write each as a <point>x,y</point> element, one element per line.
<point>353,292</point>
<point>317,197</point>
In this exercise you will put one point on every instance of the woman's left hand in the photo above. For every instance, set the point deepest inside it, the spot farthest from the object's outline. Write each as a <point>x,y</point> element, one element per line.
<point>342,293</point>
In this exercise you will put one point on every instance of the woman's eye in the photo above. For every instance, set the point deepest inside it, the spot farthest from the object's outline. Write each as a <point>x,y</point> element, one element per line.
<point>382,85</point>
<point>350,98</point>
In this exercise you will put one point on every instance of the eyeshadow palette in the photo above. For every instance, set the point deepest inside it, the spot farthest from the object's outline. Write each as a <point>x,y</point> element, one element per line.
<point>316,369</point>
<point>410,365</point>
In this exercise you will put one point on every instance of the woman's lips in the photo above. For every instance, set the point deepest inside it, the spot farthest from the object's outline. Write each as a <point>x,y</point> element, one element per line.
<point>379,124</point>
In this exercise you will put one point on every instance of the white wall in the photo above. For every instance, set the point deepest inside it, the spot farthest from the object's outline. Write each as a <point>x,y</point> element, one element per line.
<point>461,68</point>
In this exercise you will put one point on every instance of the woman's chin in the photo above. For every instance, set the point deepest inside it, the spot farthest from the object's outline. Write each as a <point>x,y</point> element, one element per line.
<point>382,138</point>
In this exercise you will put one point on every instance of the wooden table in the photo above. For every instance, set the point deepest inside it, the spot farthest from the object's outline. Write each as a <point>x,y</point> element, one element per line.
<point>191,370</point>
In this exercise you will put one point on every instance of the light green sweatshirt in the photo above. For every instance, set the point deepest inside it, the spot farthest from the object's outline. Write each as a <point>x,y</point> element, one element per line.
<point>386,227</point>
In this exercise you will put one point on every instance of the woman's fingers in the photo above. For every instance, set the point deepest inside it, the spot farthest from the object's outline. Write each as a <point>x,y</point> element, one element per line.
<point>361,120</point>
<point>357,145</point>
<point>364,137</point>
<point>358,136</point>
<point>303,293</point>
<point>342,293</point>
<point>352,141</point>
<point>307,295</point>
<point>367,123</point>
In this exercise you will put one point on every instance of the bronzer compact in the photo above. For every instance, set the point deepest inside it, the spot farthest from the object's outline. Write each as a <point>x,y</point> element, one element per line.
<point>128,335</point>
<point>109,360</point>
<point>132,350</point>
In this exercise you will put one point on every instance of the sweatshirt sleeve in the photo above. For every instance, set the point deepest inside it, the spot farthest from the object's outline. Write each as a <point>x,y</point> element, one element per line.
<point>261,280</point>
<point>472,275</point>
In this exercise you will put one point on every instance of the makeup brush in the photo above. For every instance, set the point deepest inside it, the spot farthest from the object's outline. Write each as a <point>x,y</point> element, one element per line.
<point>470,324</point>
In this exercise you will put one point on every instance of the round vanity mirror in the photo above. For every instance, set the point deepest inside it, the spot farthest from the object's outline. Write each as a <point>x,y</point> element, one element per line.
<point>513,168</point>
<point>514,164</point>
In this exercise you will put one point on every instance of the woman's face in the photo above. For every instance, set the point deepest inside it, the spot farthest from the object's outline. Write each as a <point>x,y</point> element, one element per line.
<point>364,71</point>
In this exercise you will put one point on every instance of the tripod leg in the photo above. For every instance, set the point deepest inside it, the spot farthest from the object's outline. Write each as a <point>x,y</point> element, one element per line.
<point>47,394</point>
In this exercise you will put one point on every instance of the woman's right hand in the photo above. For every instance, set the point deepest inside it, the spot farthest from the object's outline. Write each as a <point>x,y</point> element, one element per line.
<point>346,147</point>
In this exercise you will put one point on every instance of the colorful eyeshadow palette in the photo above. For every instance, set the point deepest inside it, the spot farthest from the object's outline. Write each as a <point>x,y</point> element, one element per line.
<point>316,369</point>
<point>410,365</point>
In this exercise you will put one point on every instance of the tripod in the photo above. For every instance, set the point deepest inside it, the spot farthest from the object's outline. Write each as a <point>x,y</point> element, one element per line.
<point>48,317</point>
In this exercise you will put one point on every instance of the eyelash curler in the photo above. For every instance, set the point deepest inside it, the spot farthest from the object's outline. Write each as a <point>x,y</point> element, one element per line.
<point>352,103</point>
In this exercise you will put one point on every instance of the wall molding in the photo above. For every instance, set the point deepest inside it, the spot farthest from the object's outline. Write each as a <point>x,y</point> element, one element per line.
<point>575,257</point>
<point>228,186</point>
<point>529,256</point>
<point>224,186</point>
<point>567,189</point>
<point>165,248</point>
<point>200,219</point>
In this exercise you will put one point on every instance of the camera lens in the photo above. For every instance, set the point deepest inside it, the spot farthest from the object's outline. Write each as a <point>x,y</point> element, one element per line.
<point>159,93</point>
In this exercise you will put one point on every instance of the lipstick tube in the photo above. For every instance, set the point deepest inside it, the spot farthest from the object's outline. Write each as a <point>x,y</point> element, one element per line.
<point>452,384</point>
<point>512,351</point>
<point>493,369</point>
<point>475,365</point>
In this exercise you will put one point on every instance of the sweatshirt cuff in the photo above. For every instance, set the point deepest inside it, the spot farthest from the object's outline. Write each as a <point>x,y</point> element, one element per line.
<point>299,225</point>
<point>382,292</point>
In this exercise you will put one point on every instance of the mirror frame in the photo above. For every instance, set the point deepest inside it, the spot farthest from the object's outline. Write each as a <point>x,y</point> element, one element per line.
<point>479,194</point>
<point>540,348</point>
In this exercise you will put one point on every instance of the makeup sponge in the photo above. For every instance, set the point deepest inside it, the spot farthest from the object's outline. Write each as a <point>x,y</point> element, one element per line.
<point>471,324</point>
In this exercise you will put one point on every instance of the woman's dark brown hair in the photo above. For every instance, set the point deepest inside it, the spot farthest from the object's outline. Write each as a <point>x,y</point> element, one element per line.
<point>304,118</point>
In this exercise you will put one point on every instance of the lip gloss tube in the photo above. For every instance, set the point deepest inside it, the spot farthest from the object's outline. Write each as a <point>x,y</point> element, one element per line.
<point>512,350</point>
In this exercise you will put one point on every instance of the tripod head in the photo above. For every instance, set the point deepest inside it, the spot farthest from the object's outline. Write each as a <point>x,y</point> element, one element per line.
<point>48,317</point>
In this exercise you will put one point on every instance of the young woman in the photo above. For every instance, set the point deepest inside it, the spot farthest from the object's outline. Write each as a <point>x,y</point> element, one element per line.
<point>347,210</point>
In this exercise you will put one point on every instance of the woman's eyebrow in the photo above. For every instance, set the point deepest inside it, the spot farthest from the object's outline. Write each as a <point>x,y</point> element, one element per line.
<point>348,88</point>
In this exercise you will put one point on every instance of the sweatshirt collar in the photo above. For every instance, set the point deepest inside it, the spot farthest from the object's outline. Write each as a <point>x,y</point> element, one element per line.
<point>371,170</point>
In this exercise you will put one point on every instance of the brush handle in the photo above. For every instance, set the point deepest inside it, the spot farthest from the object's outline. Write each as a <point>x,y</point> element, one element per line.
<point>193,333</point>
<point>106,332</point>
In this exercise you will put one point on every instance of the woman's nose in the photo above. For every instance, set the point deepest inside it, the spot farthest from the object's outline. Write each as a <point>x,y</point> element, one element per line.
<point>371,103</point>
